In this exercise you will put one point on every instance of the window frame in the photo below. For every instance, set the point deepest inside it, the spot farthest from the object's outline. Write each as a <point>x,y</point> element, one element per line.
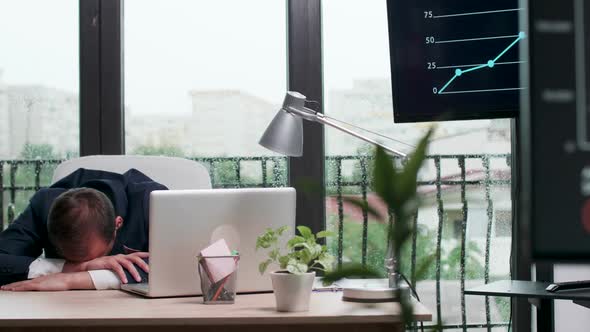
<point>304,20</point>
<point>102,124</point>
<point>101,77</point>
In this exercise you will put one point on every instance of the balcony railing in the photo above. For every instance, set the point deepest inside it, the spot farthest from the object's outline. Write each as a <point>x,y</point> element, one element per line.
<point>19,179</point>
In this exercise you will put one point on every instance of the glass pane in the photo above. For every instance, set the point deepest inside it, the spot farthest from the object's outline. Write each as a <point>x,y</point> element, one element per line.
<point>357,88</point>
<point>39,89</point>
<point>204,82</point>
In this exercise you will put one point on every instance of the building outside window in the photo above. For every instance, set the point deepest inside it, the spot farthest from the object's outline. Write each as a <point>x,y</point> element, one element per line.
<point>39,75</point>
<point>205,82</point>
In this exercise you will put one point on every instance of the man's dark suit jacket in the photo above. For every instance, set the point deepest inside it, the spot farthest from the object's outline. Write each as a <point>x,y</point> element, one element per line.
<point>25,239</point>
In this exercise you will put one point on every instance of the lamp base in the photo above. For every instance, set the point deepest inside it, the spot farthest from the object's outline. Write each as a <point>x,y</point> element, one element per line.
<point>373,294</point>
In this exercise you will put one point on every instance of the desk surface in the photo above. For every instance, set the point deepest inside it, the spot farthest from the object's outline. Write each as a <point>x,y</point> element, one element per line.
<point>104,308</point>
<point>527,289</point>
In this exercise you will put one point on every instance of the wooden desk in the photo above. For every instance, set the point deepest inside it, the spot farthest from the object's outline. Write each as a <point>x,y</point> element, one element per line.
<point>116,311</point>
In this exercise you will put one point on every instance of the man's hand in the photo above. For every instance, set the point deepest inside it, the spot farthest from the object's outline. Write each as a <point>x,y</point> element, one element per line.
<point>53,282</point>
<point>114,263</point>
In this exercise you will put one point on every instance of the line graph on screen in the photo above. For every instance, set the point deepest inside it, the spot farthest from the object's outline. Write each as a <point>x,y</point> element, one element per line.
<point>489,64</point>
<point>469,54</point>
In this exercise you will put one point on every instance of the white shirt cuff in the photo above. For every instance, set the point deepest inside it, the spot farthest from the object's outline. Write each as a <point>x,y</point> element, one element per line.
<point>104,279</point>
<point>44,266</point>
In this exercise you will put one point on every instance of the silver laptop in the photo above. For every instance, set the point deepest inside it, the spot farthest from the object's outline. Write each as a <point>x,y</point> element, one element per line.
<point>183,222</point>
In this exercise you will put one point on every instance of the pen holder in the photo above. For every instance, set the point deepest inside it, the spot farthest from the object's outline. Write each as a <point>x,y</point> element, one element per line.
<point>218,276</point>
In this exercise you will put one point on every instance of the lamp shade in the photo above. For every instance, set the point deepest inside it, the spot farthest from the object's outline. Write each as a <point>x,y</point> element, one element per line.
<point>284,134</point>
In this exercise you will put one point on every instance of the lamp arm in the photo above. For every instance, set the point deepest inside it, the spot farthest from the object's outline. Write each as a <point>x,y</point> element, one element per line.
<point>321,119</point>
<point>311,115</point>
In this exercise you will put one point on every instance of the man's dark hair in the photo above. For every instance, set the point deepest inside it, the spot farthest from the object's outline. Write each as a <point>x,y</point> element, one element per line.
<point>75,215</point>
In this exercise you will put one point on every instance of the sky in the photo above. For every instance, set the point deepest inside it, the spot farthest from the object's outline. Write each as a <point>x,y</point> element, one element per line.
<point>174,46</point>
<point>39,43</point>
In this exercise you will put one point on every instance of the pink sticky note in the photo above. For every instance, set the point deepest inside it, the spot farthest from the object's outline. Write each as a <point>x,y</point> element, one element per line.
<point>218,268</point>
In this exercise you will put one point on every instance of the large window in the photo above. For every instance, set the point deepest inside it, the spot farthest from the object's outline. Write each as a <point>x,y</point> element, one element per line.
<point>38,95</point>
<point>204,80</point>
<point>357,89</point>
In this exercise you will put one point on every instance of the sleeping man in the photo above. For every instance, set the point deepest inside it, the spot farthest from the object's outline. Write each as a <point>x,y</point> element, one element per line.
<point>87,231</point>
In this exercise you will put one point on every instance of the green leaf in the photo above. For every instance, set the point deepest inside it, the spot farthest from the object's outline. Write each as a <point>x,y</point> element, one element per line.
<point>408,180</point>
<point>310,250</point>
<point>295,241</point>
<point>283,261</point>
<point>305,232</point>
<point>359,203</point>
<point>384,177</point>
<point>264,265</point>
<point>324,234</point>
<point>316,250</point>
<point>274,254</point>
<point>296,267</point>
<point>350,271</point>
<point>262,244</point>
<point>327,261</point>
<point>282,230</point>
<point>305,245</point>
<point>306,254</point>
<point>266,240</point>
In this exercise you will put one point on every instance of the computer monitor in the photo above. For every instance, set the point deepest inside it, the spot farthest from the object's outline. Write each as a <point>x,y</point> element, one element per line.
<point>555,132</point>
<point>454,59</point>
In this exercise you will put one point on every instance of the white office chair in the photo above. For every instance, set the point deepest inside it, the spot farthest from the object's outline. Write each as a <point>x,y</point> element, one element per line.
<point>174,173</point>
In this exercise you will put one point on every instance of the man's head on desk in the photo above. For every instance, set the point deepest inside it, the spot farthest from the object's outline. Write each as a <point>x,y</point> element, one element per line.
<point>82,224</point>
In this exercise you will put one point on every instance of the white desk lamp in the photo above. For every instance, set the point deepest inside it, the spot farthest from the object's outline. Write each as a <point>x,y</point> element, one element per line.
<point>284,135</point>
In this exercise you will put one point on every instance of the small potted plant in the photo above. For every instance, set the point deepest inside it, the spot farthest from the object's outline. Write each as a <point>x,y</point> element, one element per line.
<point>293,283</point>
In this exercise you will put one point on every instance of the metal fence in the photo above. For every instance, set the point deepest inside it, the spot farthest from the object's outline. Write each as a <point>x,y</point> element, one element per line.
<point>24,177</point>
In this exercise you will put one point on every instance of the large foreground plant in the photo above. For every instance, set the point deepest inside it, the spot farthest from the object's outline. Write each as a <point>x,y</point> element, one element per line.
<point>397,188</point>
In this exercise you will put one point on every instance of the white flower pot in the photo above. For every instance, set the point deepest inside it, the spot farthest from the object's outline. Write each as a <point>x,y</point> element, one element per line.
<point>292,291</point>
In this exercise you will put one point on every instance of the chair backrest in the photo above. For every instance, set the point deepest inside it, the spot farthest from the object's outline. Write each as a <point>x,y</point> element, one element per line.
<point>174,173</point>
